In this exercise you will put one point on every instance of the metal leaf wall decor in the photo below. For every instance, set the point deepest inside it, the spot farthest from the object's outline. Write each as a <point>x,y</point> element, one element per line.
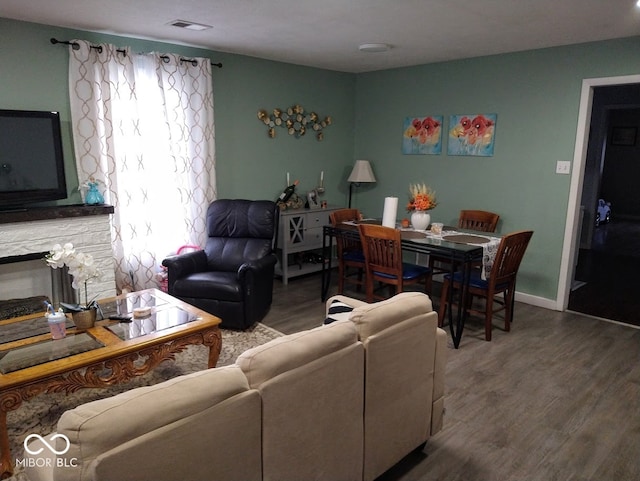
<point>295,120</point>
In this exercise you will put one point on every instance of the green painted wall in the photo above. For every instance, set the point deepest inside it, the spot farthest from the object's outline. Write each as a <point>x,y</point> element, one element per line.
<point>249,163</point>
<point>535,95</point>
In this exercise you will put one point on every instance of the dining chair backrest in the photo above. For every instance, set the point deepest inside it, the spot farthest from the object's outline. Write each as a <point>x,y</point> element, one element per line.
<point>382,247</point>
<point>509,256</point>
<point>343,215</point>
<point>479,220</point>
<point>349,249</point>
<point>345,243</point>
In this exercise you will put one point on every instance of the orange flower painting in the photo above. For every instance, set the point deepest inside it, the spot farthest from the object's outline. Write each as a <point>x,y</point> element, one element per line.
<point>472,134</point>
<point>422,135</point>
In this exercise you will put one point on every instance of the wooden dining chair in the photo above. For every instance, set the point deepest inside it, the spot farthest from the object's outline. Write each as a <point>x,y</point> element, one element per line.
<point>502,280</point>
<point>382,248</point>
<point>480,220</point>
<point>348,250</point>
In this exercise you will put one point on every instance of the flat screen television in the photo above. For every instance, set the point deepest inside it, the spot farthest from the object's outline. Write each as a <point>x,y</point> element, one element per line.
<point>31,159</point>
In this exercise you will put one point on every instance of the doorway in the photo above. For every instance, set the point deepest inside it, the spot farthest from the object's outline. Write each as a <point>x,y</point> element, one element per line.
<point>608,274</point>
<point>605,282</point>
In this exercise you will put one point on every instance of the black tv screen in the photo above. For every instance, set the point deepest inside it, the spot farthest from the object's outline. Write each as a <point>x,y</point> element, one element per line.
<point>31,159</point>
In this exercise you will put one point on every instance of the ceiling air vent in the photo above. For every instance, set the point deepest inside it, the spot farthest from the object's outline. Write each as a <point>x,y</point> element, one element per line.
<point>189,25</point>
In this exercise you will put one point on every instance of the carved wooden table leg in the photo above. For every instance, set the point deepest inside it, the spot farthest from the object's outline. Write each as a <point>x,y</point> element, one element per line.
<point>213,339</point>
<point>6,466</point>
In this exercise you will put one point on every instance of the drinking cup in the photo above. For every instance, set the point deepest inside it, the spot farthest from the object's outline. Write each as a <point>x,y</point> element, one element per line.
<point>57,325</point>
<point>436,228</point>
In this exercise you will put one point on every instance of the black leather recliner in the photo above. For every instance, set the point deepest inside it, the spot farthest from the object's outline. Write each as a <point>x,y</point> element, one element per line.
<point>232,278</point>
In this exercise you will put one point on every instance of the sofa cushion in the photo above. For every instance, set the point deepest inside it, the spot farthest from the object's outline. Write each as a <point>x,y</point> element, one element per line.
<point>312,389</point>
<point>264,362</point>
<point>99,426</point>
<point>338,311</point>
<point>373,318</point>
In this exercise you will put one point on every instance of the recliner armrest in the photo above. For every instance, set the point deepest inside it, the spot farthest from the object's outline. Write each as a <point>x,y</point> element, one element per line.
<point>184,264</point>
<point>257,265</point>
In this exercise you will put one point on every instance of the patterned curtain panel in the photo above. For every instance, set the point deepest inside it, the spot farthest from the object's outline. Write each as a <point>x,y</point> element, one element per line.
<point>143,125</point>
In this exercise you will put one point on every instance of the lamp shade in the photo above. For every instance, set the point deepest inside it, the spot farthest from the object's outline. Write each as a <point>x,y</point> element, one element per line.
<point>362,172</point>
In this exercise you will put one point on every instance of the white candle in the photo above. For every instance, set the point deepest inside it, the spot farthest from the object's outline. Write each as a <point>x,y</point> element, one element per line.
<point>321,176</point>
<point>288,183</point>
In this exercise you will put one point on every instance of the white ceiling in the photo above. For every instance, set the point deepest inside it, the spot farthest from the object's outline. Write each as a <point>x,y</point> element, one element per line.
<point>326,33</point>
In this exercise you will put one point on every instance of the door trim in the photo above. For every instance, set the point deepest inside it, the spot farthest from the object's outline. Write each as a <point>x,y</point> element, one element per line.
<point>577,179</point>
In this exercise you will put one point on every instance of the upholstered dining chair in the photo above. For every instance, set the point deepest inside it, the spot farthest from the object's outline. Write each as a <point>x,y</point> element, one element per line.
<point>348,250</point>
<point>383,261</point>
<point>501,280</point>
<point>480,220</point>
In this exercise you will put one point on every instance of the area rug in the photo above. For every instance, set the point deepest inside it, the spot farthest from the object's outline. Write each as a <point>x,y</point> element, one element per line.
<point>40,415</point>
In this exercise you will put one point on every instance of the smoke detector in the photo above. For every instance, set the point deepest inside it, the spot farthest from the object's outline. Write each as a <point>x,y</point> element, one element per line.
<point>374,47</point>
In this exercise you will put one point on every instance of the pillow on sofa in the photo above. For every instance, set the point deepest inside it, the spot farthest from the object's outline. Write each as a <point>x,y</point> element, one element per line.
<point>338,311</point>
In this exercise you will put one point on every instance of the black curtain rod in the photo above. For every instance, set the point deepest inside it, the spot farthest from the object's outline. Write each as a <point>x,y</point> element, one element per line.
<point>165,58</point>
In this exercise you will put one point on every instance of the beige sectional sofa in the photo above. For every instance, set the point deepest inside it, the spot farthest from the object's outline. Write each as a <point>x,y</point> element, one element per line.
<point>344,401</point>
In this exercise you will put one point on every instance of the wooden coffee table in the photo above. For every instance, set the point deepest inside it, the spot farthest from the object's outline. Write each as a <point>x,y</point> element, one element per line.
<point>111,352</point>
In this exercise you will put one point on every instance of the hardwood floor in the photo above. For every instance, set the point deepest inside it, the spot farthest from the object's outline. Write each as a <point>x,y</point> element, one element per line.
<point>554,399</point>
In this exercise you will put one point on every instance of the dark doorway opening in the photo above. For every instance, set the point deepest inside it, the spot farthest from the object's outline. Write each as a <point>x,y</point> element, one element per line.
<point>607,275</point>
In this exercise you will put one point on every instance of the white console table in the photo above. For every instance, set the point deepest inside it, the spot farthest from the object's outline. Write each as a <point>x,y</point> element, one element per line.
<point>300,232</point>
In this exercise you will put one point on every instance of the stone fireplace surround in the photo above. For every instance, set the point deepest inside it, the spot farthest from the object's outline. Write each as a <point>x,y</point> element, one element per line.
<point>29,234</point>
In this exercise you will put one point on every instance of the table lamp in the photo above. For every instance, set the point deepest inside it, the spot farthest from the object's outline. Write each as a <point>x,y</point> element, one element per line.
<point>361,173</point>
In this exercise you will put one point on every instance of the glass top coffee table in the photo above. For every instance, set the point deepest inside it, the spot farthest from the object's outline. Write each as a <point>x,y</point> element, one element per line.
<point>113,351</point>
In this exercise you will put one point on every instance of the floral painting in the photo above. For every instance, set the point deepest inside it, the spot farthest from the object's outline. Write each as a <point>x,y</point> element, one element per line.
<point>472,134</point>
<point>422,135</point>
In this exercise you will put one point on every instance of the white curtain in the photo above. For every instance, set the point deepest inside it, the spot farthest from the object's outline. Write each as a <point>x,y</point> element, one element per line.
<point>143,125</point>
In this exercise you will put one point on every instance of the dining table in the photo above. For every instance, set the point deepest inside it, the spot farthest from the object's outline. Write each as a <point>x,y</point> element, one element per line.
<point>463,248</point>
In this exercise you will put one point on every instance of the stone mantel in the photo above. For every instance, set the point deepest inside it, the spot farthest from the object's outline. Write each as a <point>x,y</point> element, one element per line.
<point>54,212</point>
<point>27,234</point>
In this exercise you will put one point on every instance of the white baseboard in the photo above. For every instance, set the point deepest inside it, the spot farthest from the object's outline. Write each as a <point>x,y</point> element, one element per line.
<point>537,301</point>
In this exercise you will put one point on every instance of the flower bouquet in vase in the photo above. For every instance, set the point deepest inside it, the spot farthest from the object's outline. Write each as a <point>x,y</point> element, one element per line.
<point>421,200</point>
<point>82,269</point>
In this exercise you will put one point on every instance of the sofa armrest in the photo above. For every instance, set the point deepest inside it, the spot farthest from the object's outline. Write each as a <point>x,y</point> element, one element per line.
<point>347,300</point>
<point>183,265</point>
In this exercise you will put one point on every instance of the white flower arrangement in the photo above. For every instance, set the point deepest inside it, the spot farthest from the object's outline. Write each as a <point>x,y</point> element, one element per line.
<point>81,267</point>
